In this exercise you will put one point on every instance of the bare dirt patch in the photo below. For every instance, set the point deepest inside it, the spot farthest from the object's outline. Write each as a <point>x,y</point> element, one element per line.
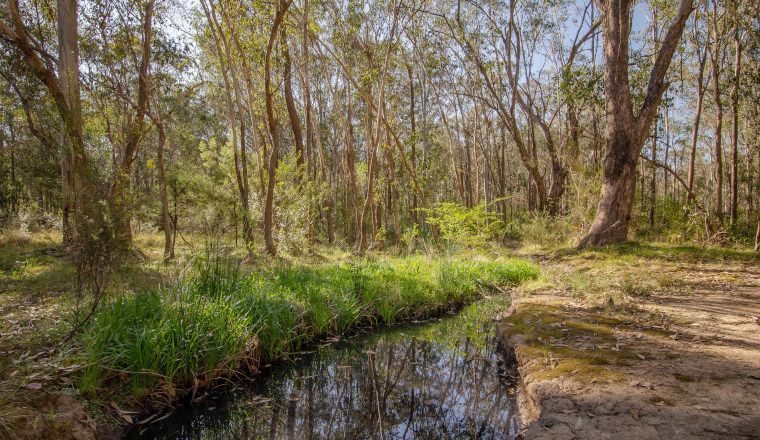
<point>640,346</point>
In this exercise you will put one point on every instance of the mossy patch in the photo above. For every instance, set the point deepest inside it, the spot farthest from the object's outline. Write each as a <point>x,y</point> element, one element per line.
<point>560,342</point>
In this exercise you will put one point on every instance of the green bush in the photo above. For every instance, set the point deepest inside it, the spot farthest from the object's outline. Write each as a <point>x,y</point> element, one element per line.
<point>465,227</point>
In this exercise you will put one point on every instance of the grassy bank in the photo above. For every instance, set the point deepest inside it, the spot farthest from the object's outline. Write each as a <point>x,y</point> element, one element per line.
<point>220,320</point>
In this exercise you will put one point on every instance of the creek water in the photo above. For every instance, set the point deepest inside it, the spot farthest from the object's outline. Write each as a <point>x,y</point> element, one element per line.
<point>441,379</point>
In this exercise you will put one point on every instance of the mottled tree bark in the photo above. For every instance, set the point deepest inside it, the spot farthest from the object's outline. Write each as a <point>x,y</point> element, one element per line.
<point>625,131</point>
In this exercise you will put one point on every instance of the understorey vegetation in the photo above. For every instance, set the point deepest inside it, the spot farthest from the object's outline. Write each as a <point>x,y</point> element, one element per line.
<point>220,321</point>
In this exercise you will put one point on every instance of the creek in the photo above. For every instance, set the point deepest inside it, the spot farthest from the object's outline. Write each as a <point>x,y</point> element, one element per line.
<point>439,379</point>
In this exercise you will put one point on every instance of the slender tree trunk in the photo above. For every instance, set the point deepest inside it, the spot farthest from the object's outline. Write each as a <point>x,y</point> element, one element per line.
<point>362,245</point>
<point>353,187</point>
<point>697,116</point>
<point>120,197</point>
<point>735,122</point>
<point>715,72</point>
<point>413,137</point>
<point>274,131</point>
<point>295,120</point>
<point>750,177</point>
<point>666,132</point>
<point>311,173</point>
<point>11,145</point>
<point>166,223</point>
<point>235,117</point>
<point>655,137</point>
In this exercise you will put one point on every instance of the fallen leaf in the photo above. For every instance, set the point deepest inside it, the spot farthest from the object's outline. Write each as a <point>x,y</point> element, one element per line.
<point>34,386</point>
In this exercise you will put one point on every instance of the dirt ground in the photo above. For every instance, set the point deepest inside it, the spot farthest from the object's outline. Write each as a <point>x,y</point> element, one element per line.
<point>649,344</point>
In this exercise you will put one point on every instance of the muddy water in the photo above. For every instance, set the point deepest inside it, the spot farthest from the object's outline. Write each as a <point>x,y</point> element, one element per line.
<point>436,380</point>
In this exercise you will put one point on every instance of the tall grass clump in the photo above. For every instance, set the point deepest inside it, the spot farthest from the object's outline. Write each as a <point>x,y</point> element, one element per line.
<point>219,320</point>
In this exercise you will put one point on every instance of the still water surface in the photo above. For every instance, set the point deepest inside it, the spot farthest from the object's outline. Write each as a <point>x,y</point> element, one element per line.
<point>436,380</point>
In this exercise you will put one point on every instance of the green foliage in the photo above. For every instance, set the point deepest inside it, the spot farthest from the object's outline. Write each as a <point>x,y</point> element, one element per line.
<point>409,238</point>
<point>580,86</point>
<point>465,227</point>
<point>220,320</point>
<point>296,203</point>
<point>544,230</point>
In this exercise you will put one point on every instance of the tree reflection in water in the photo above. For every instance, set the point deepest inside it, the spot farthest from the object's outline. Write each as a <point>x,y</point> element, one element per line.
<point>427,382</point>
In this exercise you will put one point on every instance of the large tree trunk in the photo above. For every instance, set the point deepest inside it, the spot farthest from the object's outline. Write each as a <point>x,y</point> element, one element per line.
<point>618,185</point>
<point>757,232</point>
<point>68,75</point>
<point>757,186</point>
<point>88,234</point>
<point>625,132</point>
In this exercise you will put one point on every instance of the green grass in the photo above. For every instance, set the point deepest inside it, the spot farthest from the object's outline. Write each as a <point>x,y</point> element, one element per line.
<point>666,252</point>
<point>220,321</point>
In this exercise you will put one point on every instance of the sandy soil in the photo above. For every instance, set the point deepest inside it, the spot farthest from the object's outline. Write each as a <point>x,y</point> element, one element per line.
<point>680,360</point>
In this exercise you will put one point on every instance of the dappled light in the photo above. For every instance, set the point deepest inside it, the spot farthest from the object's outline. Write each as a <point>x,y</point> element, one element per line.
<point>364,219</point>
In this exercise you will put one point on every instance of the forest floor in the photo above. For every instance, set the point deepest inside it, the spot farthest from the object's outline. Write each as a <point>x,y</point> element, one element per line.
<point>636,341</point>
<point>37,296</point>
<point>639,341</point>
<point>43,391</point>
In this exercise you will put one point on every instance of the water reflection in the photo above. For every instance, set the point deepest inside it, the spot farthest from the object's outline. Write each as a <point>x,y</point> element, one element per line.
<point>426,382</point>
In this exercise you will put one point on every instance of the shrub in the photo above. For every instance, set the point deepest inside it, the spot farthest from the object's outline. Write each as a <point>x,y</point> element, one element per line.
<point>465,227</point>
<point>544,230</point>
